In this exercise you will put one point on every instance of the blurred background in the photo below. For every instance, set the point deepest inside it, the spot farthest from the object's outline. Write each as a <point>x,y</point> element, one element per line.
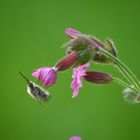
<point>32,33</point>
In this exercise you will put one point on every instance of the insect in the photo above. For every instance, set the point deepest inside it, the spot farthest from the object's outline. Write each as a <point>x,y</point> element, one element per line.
<point>35,91</point>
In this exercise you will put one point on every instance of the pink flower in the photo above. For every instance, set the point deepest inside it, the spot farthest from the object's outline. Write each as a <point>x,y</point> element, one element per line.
<point>75,138</point>
<point>81,73</point>
<point>72,32</point>
<point>47,75</point>
<point>78,76</point>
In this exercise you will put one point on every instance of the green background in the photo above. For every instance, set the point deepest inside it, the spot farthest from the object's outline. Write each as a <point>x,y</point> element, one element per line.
<point>32,33</point>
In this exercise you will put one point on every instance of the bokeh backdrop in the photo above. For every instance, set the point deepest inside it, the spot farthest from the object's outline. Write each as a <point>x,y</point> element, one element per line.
<point>32,33</point>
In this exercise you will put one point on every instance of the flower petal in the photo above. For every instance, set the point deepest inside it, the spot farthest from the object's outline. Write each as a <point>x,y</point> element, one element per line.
<point>78,74</point>
<point>36,73</point>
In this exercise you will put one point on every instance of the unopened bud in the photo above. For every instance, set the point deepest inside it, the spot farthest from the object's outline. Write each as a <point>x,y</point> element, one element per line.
<point>110,47</point>
<point>98,77</point>
<point>72,32</point>
<point>67,61</point>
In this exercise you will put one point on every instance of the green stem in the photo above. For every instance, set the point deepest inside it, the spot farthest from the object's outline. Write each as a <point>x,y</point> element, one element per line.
<point>128,74</point>
<point>124,69</point>
<point>125,74</point>
<point>124,84</point>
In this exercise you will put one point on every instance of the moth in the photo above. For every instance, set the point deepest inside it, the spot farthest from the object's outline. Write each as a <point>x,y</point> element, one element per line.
<point>35,91</point>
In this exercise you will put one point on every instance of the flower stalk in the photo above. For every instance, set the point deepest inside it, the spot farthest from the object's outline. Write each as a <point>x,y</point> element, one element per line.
<point>124,69</point>
<point>121,82</point>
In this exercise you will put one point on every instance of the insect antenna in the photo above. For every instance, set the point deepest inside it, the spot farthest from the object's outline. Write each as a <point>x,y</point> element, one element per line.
<point>27,80</point>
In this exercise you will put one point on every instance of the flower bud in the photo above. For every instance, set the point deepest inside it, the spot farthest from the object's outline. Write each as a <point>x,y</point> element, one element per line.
<point>67,61</point>
<point>72,32</point>
<point>110,47</point>
<point>98,77</point>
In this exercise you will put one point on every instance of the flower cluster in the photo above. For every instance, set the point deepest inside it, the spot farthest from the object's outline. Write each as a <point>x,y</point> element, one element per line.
<point>81,51</point>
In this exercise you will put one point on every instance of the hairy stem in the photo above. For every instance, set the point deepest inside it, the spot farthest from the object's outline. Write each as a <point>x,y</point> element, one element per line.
<point>124,69</point>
